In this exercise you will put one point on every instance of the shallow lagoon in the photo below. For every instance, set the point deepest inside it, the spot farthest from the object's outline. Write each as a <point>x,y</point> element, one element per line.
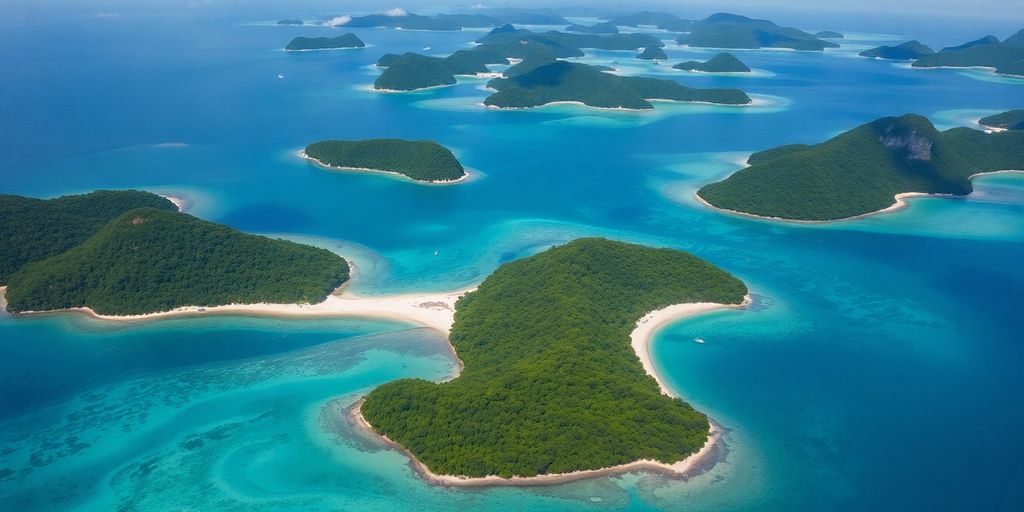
<point>878,368</point>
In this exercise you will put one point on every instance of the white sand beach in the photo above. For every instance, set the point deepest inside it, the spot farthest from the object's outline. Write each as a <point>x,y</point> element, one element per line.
<point>469,175</point>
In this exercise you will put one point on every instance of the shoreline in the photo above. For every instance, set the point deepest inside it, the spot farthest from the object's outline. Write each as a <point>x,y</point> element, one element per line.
<point>899,204</point>
<point>752,103</point>
<point>180,202</point>
<point>468,176</point>
<point>640,339</point>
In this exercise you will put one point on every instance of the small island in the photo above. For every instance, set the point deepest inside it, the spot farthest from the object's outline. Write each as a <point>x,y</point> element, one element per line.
<point>551,385</point>
<point>721,63</point>
<point>865,170</point>
<point>341,42</point>
<point>1006,57</point>
<point>829,34</point>
<point>563,81</point>
<point>910,50</point>
<point>36,229</point>
<point>725,30</point>
<point>652,53</point>
<point>419,160</point>
<point>412,71</point>
<point>1009,120</point>
<point>598,28</point>
<point>151,260</point>
<point>290,22</point>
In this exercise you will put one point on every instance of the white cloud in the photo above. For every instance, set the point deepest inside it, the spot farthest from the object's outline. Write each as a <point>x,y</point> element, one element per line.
<point>339,21</point>
<point>397,11</point>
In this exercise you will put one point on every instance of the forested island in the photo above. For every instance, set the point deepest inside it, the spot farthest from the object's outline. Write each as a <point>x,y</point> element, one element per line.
<point>724,30</point>
<point>1006,57</point>
<point>419,160</point>
<point>349,40</point>
<point>35,229</point>
<point>662,20</point>
<point>829,34</point>
<point>909,50</point>
<point>149,260</point>
<point>591,85</point>
<point>550,382</point>
<point>862,170</point>
<point>412,71</point>
<point>486,18</point>
<point>290,22</point>
<point>597,28</point>
<point>721,63</point>
<point>1009,120</point>
<point>652,53</point>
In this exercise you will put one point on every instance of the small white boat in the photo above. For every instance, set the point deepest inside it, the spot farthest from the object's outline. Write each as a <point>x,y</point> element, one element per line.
<point>280,77</point>
<point>435,253</point>
<point>426,48</point>
<point>699,340</point>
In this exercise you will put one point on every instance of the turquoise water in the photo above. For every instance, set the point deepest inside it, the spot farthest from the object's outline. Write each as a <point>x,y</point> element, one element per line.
<point>878,368</point>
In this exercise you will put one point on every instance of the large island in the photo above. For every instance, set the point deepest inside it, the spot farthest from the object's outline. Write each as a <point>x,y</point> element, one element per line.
<point>550,383</point>
<point>562,81</point>
<point>865,170</point>
<point>1005,57</point>
<point>725,30</point>
<point>909,50</point>
<point>151,260</point>
<point>419,160</point>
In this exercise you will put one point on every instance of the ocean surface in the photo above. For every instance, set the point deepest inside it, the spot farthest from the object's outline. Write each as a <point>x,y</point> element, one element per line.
<point>879,368</point>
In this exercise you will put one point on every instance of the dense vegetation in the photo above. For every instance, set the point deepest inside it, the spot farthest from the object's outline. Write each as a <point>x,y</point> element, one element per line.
<point>35,229</point>
<point>149,260</point>
<point>451,22</point>
<point>550,382</point>
<point>325,43</point>
<point>1006,57</point>
<point>413,71</point>
<point>732,31</point>
<point>597,28</point>
<point>420,160</point>
<point>773,153</point>
<point>721,63</point>
<point>290,22</point>
<point>652,53</point>
<point>828,34</point>
<point>1009,120</point>
<point>508,34</point>
<point>909,50</point>
<point>662,20</point>
<point>590,85</point>
<point>861,170</point>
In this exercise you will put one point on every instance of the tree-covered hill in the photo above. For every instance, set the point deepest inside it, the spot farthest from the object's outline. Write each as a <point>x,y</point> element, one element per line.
<point>551,383</point>
<point>149,260</point>
<point>860,171</point>
<point>721,63</point>
<point>725,30</point>
<point>35,229</point>
<point>325,43</point>
<point>909,50</point>
<point>1007,57</point>
<point>590,85</point>
<point>1009,120</point>
<point>420,160</point>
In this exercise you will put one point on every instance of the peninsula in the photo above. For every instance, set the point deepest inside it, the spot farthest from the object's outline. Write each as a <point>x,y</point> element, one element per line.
<point>721,63</point>
<point>550,383</point>
<point>725,30</point>
<point>419,160</point>
<point>909,50</point>
<point>1006,57</point>
<point>562,81</point>
<point>150,260</point>
<point>412,71</point>
<point>341,42</point>
<point>1009,120</point>
<point>35,229</point>
<point>865,170</point>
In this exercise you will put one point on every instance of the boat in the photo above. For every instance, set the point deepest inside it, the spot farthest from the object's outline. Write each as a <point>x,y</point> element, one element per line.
<point>699,340</point>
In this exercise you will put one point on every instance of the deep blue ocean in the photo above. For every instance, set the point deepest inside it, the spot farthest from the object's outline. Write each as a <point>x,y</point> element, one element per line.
<point>879,368</point>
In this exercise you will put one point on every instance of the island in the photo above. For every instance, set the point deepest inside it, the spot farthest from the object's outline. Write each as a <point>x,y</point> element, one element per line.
<point>35,229</point>
<point>412,71</point>
<point>290,22</point>
<point>419,160</point>
<point>725,30</point>
<point>551,385</point>
<point>910,50</point>
<point>829,34</point>
<point>341,42</point>
<point>150,260</point>
<point>662,20</point>
<point>400,19</point>
<point>652,53</point>
<point>572,43</point>
<point>1009,120</point>
<point>597,28</point>
<point>865,170</point>
<point>563,81</point>
<point>1006,57</point>
<point>721,63</point>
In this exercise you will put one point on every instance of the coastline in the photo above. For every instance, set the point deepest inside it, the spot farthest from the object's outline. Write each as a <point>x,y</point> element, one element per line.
<point>180,202</point>
<point>468,176</point>
<point>752,103</point>
<point>640,338</point>
<point>899,204</point>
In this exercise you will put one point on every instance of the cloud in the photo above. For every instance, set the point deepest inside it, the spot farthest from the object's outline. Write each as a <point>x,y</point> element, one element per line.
<point>338,21</point>
<point>397,11</point>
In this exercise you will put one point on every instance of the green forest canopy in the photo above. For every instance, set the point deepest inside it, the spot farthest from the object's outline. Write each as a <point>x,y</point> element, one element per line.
<point>150,260</point>
<point>420,160</point>
<point>861,170</point>
<point>35,229</point>
<point>551,383</point>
